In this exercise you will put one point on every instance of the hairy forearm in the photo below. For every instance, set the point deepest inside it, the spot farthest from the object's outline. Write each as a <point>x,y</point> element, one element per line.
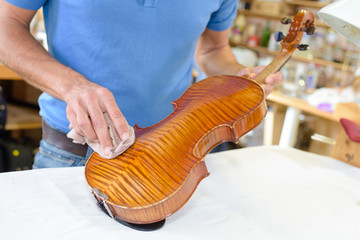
<point>20,51</point>
<point>218,61</point>
<point>214,55</point>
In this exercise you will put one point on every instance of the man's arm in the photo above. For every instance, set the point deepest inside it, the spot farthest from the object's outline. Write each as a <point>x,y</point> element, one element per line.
<point>85,100</point>
<point>215,57</point>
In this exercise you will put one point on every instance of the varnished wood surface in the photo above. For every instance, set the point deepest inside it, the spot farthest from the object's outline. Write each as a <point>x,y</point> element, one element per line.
<point>156,176</point>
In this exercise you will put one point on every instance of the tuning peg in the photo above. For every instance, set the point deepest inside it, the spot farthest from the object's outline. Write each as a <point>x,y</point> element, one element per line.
<point>279,36</point>
<point>286,20</point>
<point>309,30</point>
<point>302,47</point>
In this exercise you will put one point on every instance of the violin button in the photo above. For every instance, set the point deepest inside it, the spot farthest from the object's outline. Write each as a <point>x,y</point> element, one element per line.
<point>302,47</point>
<point>286,20</point>
<point>279,36</point>
<point>310,30</point>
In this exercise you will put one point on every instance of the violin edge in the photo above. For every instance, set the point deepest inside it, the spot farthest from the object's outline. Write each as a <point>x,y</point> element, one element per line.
<point>160,210</point>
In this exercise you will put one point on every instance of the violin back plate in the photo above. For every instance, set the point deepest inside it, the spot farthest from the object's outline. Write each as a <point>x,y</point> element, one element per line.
<point>160,171</point>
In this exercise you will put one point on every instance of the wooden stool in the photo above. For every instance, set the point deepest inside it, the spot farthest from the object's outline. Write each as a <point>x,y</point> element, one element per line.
<point>347,147</point>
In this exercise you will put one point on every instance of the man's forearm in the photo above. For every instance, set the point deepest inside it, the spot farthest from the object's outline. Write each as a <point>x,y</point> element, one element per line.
<point>214,55</point>
<point>219,61</point>
<point>20,51</point>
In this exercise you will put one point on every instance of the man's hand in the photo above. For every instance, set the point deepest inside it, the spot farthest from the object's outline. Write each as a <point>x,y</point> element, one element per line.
<point>85,110</point>
<point>215,57</point>
<point>86,101</point>
<point>270,81</point>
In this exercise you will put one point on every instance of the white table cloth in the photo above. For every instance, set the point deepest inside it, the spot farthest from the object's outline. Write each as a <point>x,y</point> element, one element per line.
<point>252,193</point>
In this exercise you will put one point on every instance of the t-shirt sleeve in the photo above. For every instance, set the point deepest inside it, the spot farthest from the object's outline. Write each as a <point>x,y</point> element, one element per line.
<point>27,4</point>
<point>223,18</point>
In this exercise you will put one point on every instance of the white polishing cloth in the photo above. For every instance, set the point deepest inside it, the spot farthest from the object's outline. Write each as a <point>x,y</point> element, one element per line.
<point>119,145</point>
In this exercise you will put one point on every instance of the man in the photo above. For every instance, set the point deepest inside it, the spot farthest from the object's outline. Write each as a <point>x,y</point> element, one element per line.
<point>127,58</point>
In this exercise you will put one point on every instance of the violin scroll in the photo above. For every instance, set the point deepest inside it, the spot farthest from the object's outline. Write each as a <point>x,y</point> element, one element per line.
<point>302,22</point>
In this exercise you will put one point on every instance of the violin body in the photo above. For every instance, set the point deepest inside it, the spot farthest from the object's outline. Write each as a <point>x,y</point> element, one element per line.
<point>158,174</point>
<point>160,171</point>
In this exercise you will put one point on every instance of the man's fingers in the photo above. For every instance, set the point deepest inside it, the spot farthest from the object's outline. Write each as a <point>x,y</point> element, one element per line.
<point>72,117</point>
<point>116,116</point>
<point>120,124</point>
<point>274,79</point>
<point>85,126</point>
<point>267,89</point>
<point>270,81</point>
<point>252,75</point>
<point>99,125</point>
<point>85,112</point>
<point>244,72</point>
<point>258,69</point>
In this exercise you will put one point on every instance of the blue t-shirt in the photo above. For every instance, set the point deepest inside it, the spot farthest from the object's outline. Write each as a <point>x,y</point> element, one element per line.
<point>141,50</point>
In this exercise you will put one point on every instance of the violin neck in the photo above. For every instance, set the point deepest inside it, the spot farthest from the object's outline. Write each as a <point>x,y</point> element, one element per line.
<point>273,67</point>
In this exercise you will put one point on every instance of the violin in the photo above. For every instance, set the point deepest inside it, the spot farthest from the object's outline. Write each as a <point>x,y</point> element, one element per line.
<point>157,175</point>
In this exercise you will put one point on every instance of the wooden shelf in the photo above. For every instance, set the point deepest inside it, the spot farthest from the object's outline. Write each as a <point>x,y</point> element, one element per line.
<point>310,4</point>
<point>300,104</point>
<point>294,57</point>
<point>348,110</point>
<point>19,117</point>
<point>6,73</point>
<point>303,3</point>
<point>249,13</point>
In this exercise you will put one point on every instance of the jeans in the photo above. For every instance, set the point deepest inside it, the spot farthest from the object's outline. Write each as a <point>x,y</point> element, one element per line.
<point>52,157</point>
